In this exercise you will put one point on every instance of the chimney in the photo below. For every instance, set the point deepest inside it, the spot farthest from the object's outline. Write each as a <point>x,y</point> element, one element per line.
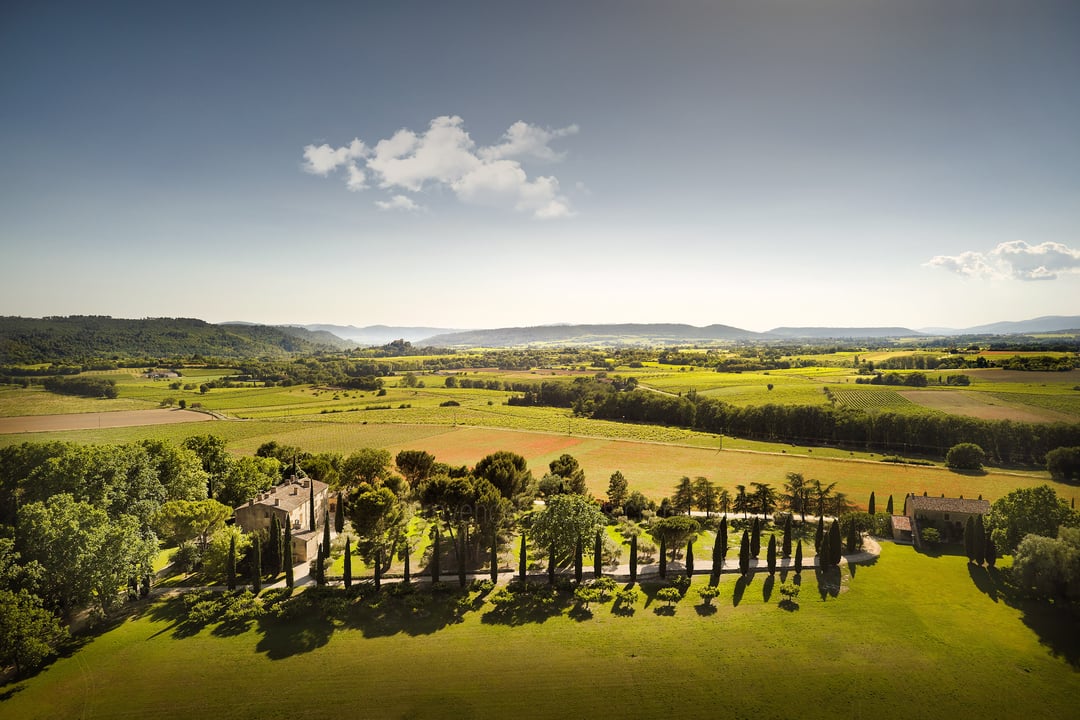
<point>277,502</point>
<point>305,484</point>
<point>250,503</point>
<point>294,490</point>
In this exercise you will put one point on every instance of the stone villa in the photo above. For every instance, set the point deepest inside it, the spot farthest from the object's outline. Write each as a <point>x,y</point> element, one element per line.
<point>291,502</point>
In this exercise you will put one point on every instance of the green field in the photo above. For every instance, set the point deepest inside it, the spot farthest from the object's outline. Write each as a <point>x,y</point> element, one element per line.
<point>909,631</point>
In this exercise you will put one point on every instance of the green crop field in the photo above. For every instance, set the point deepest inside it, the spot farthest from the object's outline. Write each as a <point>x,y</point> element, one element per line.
<point>911,631</point>
<point>872,399</point>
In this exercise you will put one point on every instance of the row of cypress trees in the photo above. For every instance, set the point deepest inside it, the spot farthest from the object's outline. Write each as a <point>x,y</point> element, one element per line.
<point>978,544</point>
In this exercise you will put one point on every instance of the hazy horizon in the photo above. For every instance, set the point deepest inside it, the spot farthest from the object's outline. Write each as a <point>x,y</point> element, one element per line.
<point>481,165</point>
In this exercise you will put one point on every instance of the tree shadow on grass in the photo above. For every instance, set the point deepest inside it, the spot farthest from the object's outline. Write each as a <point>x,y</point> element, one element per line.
<point>665,610</point>
<point>580,613</point>
<point>767,587</point>
<point>986,583</point>
<point>284,638</point>
<point>524,604</point>
<point>11,691</point>
<point>740,588</point>
<point>788,605</point>
<point>705,610</point>
<point>828,580</point>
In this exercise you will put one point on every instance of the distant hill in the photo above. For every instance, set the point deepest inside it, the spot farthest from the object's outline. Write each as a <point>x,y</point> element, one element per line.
<point>600,335</point>
<point>80,337</point>
<point>841,332</point>
<point>378,334</point>
<point>1047,323</point>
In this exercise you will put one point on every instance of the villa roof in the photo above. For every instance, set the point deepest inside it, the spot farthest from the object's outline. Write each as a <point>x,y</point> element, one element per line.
<point>901,523</point>
<point>287,496</point>
<point>949,505</point>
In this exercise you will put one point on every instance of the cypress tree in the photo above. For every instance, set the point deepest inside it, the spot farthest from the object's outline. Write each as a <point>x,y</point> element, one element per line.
<point>523,562</point>
<point>969,538</point>
<point>770,554</point>
<point>348,562</point>
<point>633,559</point>
<point>980,540</point>
<point>256,567</point>
<point>320,567</point>
<point>579,560</point>
<point>598,556</point>
<point>689,558</point>
<point>798,558</point>
<point>836,546</point>
<point>755,539</point>
<point>230,563</point>
<point>823,553</point>
<point>717,561</point>
<point>326,532</point>
<point>888,507</point>
<point>407,574</point>
<point>273,546</point>
<point>339,515</point>
<point>551,564</point>
<point>723,535</point>
<point>871,508</point>
<point>663,557</point>
<point>436,552</point>
<point>820,534</point>
<point>288,555</point>
<point>852,537</point>
<point>494,556</point>
<point>311,504</point>
<point>785,549</point>
<point>744,554</point>
<point>991,551</point>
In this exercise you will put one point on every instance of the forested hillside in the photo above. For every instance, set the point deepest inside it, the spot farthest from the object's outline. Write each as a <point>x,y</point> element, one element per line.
<point>80,337</point>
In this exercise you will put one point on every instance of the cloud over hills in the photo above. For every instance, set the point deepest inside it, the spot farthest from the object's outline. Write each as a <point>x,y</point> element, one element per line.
<point>1016,260</point>
<point>445,154</point>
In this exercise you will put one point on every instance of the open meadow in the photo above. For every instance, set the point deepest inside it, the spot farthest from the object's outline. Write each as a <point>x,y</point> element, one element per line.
<point>928,634</point>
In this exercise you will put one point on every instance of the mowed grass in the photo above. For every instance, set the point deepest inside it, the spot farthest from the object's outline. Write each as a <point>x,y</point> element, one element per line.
<point>908,632</point>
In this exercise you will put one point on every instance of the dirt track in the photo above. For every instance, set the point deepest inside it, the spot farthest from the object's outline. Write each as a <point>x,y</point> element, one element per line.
<point>88,421</point>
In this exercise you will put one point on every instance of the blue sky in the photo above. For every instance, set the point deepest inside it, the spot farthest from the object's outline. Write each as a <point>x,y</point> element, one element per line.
<point>493,164</point>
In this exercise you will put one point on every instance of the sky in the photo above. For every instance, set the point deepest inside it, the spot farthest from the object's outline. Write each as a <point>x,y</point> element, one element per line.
<point>494,164</point>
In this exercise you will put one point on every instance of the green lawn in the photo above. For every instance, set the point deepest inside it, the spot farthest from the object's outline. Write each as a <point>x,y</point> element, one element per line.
<point>910,632</point>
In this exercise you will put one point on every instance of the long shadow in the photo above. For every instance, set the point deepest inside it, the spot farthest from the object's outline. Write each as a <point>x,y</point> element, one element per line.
<point>828,580</point>
<point>523,604</point>
<point>767,587</point>
<point>981,577</point>
<point>705,610</point>
<point>740,588</point>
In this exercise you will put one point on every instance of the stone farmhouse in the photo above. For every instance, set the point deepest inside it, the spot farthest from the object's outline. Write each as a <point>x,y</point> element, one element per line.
<point>947,515</point>
<point>291,502</point>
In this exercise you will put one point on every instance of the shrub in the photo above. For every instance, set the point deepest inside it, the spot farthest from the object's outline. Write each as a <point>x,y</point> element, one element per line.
<point>790,591</point>
<point>707,593</point>
<point>930,536</point>
<point>965,456</point>
<point>670,595</point>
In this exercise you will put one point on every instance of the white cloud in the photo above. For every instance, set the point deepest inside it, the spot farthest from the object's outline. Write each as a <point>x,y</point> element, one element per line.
<point>446,155</point>
<point>398,202</point>
<point>1015,260</point>
<point>322,159</point>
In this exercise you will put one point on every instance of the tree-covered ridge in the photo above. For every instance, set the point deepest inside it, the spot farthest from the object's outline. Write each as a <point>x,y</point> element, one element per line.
<point>79,338</point>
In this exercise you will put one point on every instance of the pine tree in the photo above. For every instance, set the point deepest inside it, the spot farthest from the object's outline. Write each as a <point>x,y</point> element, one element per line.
<point>523,560</point>
<point>339,515</point>
<point>798,558</point>
<point>378,567</point>
<point>820,534</point>
<point>311,504</point>
<point>663,557</point>
<point>348,562</point>
<point>785,549</point>
<point>579,560</point>
<point>755,539</point>
<point>633,559</point>
<point>689,558</point>
<point>980,540</point>
<point>969,538</point>
<point>494,556</point>
<point>288,555</point>
<point>436,554</point>
<point>744,554</point>
<point>598,556</point>
<point>256,567</point>
<point>888,507</point>
<point>872,507</point>
<point>770,555</point>
<point>551,564</point>
<point>230,563</point>
<point>836,546</point>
